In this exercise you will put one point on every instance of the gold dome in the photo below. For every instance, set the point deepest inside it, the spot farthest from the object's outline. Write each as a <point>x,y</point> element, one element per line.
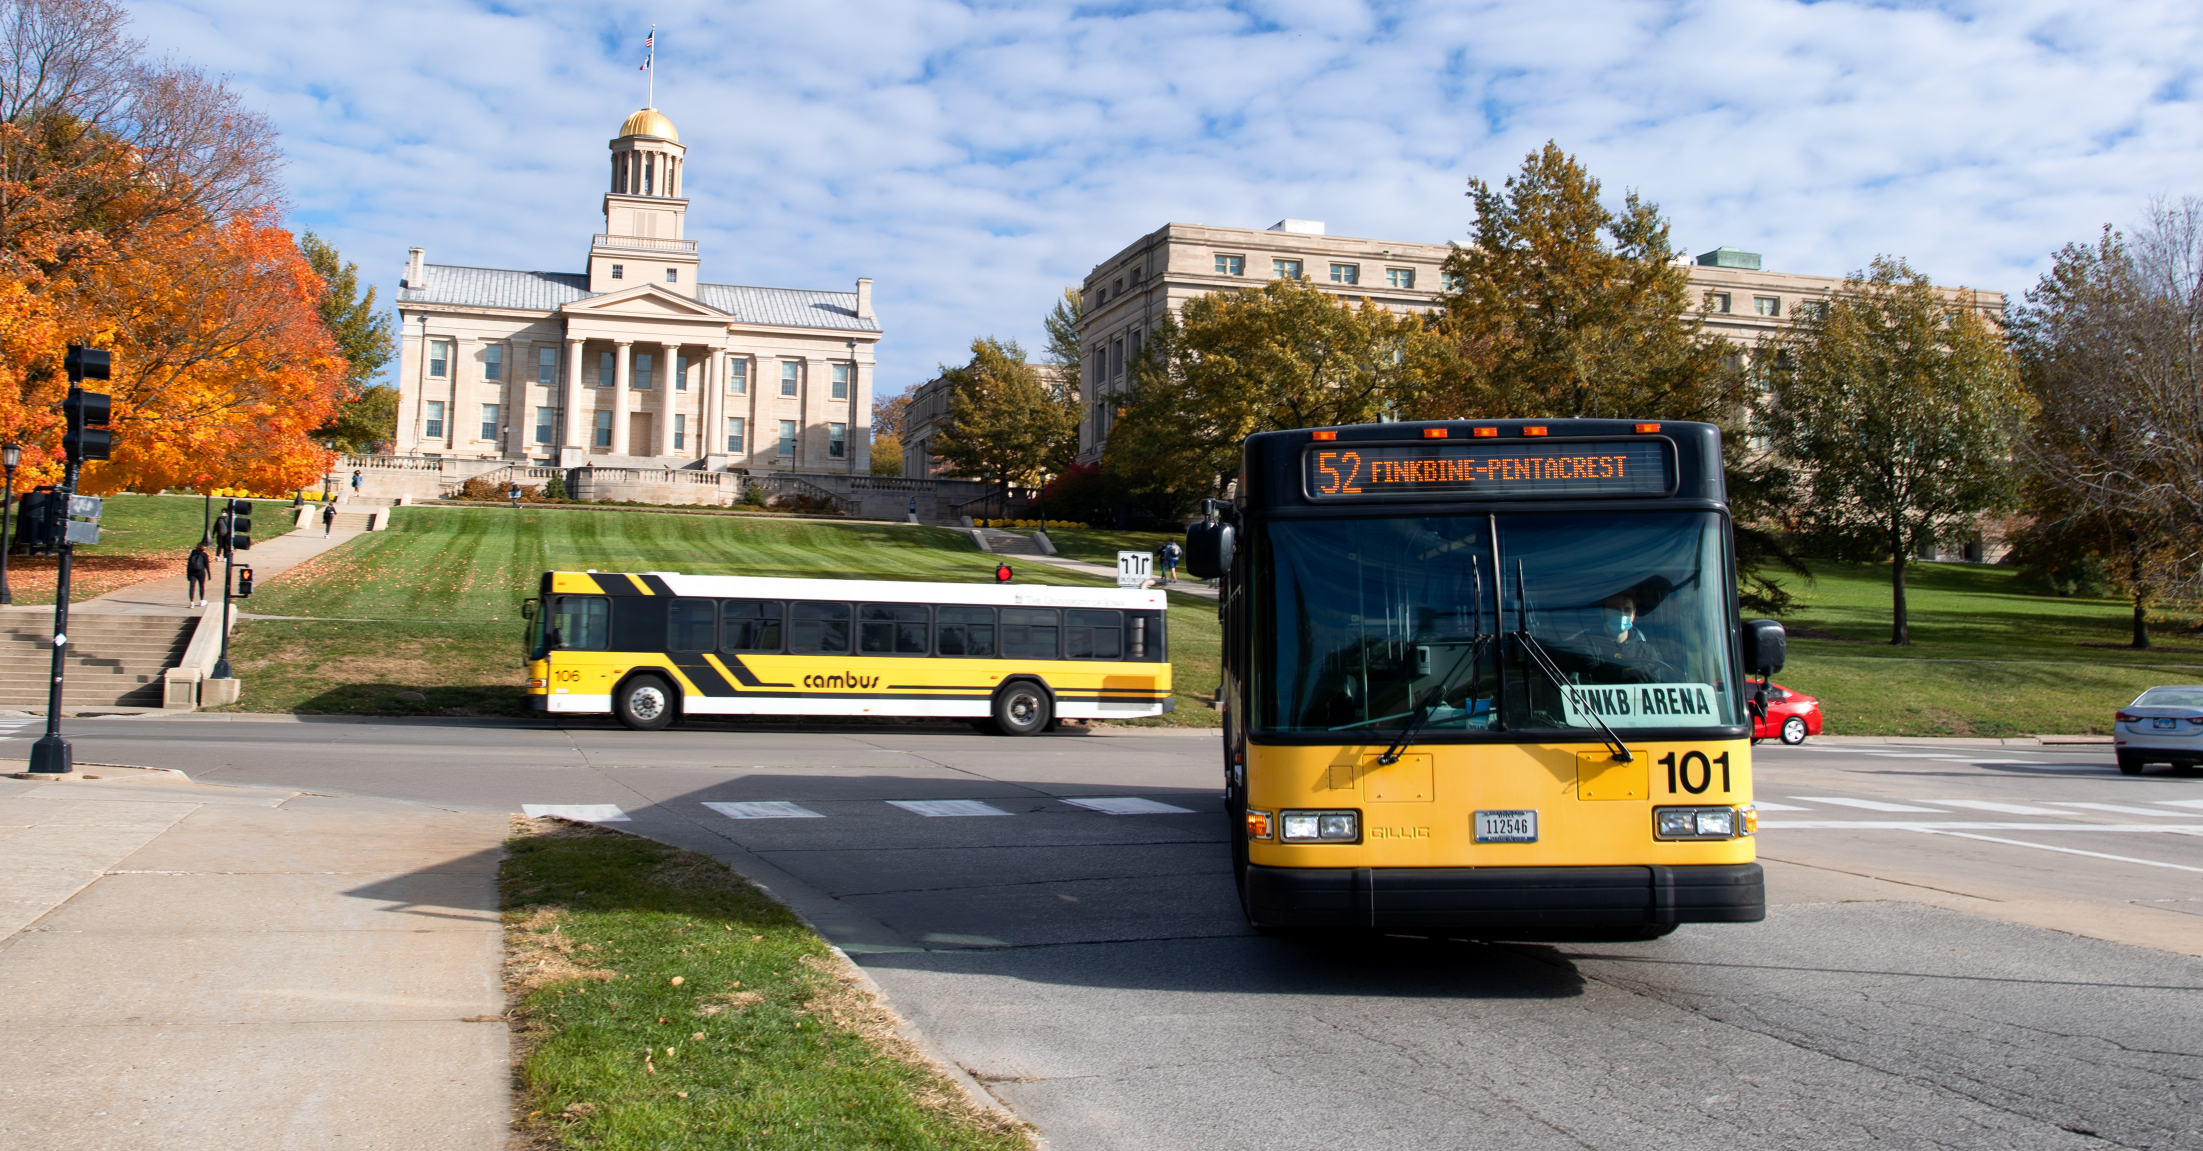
<point>650,122</point>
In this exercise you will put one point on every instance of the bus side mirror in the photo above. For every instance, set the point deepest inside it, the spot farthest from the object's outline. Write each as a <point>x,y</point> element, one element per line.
<point>1208,550</point>
<point>527,609</point>
<point>1766,647</point>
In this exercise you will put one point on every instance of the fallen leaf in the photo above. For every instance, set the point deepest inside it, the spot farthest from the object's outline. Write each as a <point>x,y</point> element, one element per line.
<point>677,981</point>
<point>697,1038</point>
<point>681,1094</point>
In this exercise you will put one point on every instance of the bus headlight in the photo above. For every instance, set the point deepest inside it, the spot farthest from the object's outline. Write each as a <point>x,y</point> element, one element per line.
<point>1321,826</point>
<point>1700,822</point>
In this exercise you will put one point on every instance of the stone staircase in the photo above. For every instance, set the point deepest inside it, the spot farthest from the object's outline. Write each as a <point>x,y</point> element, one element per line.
<point>1003,543</point>
<point>114,660</point>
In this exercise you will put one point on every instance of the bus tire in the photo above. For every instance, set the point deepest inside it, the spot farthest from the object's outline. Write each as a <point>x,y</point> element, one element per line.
<point>1022,707</point>
<point>645,703</point>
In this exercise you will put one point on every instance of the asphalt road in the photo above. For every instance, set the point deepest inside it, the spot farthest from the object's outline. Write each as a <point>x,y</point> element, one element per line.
<point>1967,948</point>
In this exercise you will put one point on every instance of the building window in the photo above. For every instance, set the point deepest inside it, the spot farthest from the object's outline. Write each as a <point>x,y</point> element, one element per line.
<point>734,433</point>
<point>546,365</point>
<point>673,275</point>
<point>1101,366</point>
<point>841,381</point>
<point>791,374</point>
<point>1138,274</point>
<point>493,362</point>
<point>607,371</point>
<point>788,438</point>
<point>1399,277</point>
<point>1452,281</point>
<point>680,431</point>
<point>1231,265</point>
<point>1346,273</point>
<point>1767,305</point>
<point>641,380</point>
<point>1101,296</point>
<point>489,421</point>
<point>1285,269</point>
<point>435,419</point>
<point>545,420</point>
<point>1116,358</point>
<point>1116,287</point>
<point>604,429</point>
<point>738,377</point>
<point>837,440</point>
<point>1719,302</point>
<point>619,271</point>
<point>439,353</point>
<point>680,373</point>
<point>1811,309</point>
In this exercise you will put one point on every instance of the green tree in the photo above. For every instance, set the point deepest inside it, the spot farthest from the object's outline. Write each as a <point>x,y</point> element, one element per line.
<point>1287,355</point>
<point>1065,350</point>
<point>889,415</point>
<point>1898,404</point>
<point>1005,425</point>
<point>364,333</point>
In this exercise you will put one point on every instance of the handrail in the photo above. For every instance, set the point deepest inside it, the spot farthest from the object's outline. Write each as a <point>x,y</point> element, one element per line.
<point>641,243</point>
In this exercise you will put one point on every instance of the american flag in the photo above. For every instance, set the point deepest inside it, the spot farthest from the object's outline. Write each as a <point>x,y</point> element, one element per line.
<point>647,42</point>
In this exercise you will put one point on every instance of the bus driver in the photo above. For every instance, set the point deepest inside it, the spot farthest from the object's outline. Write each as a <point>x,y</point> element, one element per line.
<point>1620,641</point>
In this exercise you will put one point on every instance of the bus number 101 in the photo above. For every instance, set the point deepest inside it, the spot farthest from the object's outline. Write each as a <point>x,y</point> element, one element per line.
<point>1694,771</point>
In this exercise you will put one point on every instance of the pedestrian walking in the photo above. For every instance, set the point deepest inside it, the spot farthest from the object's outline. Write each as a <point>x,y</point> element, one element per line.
<point>357,479</point>
<point>328,519</point>
<point>515,494</point>
<point>195,575</point>
<point>914,507</point>
<point>221,534</point>
<point>1171,553</point>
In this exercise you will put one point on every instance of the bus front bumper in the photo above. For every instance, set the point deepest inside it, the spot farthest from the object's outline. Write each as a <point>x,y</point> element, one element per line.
<point>1509,898</point>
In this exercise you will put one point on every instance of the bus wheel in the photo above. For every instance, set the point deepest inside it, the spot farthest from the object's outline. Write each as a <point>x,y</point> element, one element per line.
<point>644,703</point>
<point>1022,708</point>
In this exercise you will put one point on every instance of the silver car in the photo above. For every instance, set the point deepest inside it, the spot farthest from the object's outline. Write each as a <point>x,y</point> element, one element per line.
<point>2162,725</point>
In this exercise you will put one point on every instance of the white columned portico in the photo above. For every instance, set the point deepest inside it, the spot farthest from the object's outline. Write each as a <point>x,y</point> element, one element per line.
<point>708,436</point>
<point>623,351</point>
<point>572,435</point>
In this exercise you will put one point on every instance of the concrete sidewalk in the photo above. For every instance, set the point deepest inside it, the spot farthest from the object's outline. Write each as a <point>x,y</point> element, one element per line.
<point>230,968</point>
<point>1106,571</point>
<point>268,559</point>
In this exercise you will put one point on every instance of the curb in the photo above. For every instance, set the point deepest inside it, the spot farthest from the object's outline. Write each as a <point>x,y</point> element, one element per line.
<point>1968,741</point>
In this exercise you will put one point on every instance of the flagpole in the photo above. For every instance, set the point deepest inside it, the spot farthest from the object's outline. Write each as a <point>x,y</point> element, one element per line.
<point>652,68</point>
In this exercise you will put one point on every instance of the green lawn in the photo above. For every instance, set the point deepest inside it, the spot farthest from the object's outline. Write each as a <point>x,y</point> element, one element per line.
<point>1988,658</point>
<point>665,1004</point>
<point>442,591</point>
<point>141,538</point>
<point>1097,546</point>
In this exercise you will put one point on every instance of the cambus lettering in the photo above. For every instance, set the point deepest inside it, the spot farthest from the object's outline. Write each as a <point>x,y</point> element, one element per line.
<point>845,681</point>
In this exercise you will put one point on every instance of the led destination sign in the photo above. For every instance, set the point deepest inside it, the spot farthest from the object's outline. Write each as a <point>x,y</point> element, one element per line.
<point>1490,471</point>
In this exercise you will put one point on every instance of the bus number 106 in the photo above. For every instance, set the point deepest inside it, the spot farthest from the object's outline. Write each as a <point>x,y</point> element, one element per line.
<point>1694,771</point>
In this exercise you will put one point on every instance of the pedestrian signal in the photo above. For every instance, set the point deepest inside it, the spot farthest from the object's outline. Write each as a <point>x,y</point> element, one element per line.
<point>34,524</point>
<point>88,437</point>
<point>240,526</point>
<point>244,582</point>
<point>1002,573</point>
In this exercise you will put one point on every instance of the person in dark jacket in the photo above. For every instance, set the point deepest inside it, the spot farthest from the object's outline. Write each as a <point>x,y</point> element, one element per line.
<point>328,519</point>
<point>195,575</point>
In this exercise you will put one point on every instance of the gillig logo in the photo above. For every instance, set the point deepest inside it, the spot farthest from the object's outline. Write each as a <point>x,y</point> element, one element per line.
<point>1399,833</point>
<point>842,681</point>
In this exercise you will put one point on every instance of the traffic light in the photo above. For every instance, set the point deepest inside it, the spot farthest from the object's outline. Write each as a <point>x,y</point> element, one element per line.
<point>240,526</point>
<point>1002,573</point>
<point>34,525</point>
<point>88,413</point>
<point>244,582</point>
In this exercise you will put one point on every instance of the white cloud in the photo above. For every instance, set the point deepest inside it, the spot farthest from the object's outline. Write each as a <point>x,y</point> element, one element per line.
<point>973,158</point>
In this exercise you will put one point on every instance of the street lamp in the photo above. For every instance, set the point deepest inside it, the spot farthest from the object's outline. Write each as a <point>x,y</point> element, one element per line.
<point>10,456</point>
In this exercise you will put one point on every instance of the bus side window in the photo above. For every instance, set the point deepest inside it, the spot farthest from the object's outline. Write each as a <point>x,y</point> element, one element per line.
<point>582,623</point>
<point>892,629</point>
<point>1091,634</point>
<point>1029,632</point>
<point>819,629</point>
<point>693,625</point>
<point>1143,637</point>
<point>638,623</point>
<point>966,631</point>
<point>749,625</point>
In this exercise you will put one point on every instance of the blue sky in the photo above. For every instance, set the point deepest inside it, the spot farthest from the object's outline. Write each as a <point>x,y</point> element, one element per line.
<point>975,158</point>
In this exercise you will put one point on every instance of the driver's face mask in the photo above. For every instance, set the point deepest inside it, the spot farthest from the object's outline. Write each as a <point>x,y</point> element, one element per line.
<point>1619,620</point>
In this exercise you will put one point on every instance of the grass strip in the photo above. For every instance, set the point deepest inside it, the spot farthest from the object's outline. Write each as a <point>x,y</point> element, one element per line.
<point>660,1001</point>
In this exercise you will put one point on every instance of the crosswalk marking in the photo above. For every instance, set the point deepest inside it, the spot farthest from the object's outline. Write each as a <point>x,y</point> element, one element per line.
<point>1127,805</point>
<point>579,812</point>
<point>1992,805</point>
<point>1868,804</point>
<point>946,807</point>
<point>2065,850</point>
<point>2180,802</point>
<point>2124,809</point>
<point>764,809</point>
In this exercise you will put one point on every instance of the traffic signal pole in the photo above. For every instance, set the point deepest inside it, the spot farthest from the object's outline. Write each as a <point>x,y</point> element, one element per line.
<point>229,565</point>
<point>51,755</point>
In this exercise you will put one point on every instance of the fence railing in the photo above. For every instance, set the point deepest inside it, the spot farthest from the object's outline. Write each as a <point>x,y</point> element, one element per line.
<point>641,243</point>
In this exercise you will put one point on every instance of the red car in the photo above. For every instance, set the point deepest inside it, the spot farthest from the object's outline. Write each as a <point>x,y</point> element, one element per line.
<point>1791,715</point>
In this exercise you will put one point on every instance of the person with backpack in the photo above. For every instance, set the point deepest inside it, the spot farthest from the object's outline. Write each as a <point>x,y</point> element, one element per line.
<point>1171,554</point>
<point>196,568</point>
<point>328,519</point>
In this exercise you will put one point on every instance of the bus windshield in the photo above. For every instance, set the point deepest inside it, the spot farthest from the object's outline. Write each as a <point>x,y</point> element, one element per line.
<point>1378,625</point>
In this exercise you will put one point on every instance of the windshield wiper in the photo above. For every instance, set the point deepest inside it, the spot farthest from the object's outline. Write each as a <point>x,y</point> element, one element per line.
<point>1392,754</point>
<point>1544,661</point>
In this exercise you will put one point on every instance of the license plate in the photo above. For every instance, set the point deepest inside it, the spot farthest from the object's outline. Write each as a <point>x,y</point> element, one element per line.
<point>2164,724</point>
<point>1506,827</point>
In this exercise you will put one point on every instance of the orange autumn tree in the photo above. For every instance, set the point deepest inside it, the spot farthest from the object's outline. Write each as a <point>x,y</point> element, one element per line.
<point>137,202</point>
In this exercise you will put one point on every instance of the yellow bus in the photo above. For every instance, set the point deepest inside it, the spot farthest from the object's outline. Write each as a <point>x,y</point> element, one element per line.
<point>1487,677</point>
<point>652,647</point>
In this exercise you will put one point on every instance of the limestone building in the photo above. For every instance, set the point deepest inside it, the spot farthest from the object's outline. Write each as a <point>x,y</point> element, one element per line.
<point>1155,275</point>
<point>634,361</point>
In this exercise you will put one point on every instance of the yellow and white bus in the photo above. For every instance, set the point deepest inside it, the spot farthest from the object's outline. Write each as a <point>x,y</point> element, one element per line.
<point>651,647</point>
<point>1487,677</point>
